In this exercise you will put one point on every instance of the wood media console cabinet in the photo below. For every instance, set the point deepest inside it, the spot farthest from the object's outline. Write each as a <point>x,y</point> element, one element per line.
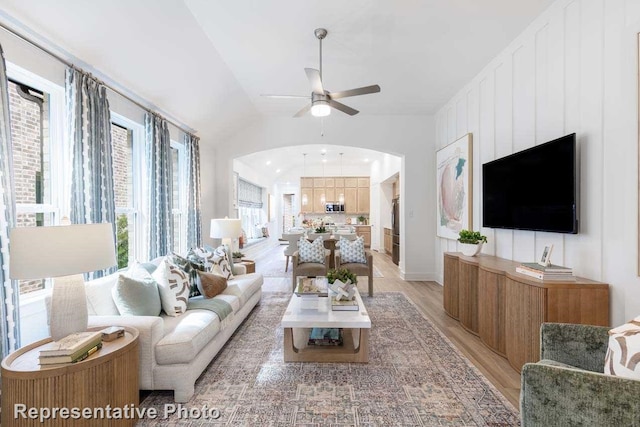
<point>505,309</point>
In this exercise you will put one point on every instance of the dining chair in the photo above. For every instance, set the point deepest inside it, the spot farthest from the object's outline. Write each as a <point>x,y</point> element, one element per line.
<point>293,239</point>
<point>318,267</point>
<point>358,268</point>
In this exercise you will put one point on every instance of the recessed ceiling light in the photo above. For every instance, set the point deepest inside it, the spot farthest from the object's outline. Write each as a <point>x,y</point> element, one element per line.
<point>288,182</point>
<point>324,160</point>
<point>277,170</point>
<point>323,151</point>
<point>268,162</point>
<point>366,160</point>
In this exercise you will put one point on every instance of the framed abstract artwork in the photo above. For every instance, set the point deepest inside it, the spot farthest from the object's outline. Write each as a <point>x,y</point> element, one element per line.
<point>454,165</point>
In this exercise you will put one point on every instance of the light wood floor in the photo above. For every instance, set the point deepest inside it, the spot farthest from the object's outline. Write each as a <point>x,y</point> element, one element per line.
<point>428,298</point>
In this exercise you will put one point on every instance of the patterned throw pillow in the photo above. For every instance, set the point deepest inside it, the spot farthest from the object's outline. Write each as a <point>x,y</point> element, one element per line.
<point>202,256</point>
<point>174,287</point>
<point>352,251</point>
<point>220,263</point>
<point>189,266</point>
<point>311,251</point>
<point>623,354</point>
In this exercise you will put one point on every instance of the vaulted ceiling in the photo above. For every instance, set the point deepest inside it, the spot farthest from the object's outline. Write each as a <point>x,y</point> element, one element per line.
<point>205,63</point>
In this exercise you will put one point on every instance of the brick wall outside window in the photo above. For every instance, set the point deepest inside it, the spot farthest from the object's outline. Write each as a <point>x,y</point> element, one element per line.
<point>28,155</point>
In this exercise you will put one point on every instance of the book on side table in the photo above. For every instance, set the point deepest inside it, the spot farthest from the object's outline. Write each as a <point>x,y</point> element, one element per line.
<point>70,349</point>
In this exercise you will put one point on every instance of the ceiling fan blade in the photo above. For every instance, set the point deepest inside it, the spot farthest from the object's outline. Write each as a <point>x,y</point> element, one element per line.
<point>339,106</point>
<point>314,78</point>
<point>354,92</point>
<point>303,111</point>
<point>286,96</point>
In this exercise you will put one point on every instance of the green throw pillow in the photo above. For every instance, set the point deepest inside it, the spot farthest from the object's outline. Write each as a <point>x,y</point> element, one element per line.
<point>136,297</point>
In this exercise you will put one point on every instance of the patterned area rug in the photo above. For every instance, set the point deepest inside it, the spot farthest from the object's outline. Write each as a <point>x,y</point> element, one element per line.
<point>415,377</point>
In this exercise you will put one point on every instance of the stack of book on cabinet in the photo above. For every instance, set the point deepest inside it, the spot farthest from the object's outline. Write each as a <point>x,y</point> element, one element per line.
<point>554,273</point>
<point>70,349</point>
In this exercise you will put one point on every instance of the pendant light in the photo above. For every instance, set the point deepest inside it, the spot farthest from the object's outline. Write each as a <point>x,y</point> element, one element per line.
<point>341,196</point>
<point>323,197</point>
<point>305,199</point>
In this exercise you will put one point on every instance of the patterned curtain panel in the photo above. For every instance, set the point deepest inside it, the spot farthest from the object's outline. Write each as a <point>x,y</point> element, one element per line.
<point>92,185</point>
<point>9,291</point>
<point>158,157</point>
<point>194,217</point>
<point>249,195</point>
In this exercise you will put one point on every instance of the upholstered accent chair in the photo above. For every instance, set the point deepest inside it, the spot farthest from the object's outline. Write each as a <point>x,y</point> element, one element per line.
<point>567,387</point>
<point>309,268</point>
<point>292,238</point>
<point>360,269</point>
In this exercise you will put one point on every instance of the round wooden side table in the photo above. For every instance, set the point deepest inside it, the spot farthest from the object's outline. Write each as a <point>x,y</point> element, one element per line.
<point>102,387</point>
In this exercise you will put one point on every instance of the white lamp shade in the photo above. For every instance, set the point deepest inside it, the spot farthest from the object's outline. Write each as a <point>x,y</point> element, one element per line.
<point>41,252</point>
<point>225,228</point>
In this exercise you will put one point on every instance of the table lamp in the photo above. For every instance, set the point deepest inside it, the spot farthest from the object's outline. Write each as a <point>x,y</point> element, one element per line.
<point>63,252</point>
<point>227,229</point>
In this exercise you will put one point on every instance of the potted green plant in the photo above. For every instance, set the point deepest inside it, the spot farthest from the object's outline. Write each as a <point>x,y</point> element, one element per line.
<point>237,256</point>
<point>341,274</point>
<point>321,229</point>
<point>471,242</point>
<point>362,219</point>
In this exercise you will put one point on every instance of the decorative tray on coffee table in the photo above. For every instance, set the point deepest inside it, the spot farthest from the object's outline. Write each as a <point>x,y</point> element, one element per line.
<point>312,287</point>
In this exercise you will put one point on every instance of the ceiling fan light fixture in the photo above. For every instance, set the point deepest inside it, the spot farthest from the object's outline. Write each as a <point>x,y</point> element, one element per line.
<point>320,108</point>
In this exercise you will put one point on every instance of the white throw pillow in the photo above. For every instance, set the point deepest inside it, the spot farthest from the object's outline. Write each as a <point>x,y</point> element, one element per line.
<point>352,251</point>
<point>220,263</point>
<point>174,287</point>
<point>623,354</point>
<point>311,251</point>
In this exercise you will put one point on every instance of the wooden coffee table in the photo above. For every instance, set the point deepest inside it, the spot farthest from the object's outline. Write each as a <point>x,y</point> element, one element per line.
<point>298,321</point>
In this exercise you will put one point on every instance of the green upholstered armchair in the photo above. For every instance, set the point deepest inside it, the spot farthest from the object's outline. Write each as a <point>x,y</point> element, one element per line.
<point>567,386</point>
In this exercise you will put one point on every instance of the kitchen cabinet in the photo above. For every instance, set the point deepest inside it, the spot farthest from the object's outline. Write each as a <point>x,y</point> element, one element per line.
<point>365,232</point>
<point>351,200</point>
<point>363,200</point>
<point>351,182</point>
<point>318,205</point>
<point>387,240</point>
<point>356,191</point>
<point>309,192</point>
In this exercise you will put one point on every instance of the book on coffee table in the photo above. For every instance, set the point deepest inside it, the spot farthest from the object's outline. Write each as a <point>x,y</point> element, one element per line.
<point>344,305</point>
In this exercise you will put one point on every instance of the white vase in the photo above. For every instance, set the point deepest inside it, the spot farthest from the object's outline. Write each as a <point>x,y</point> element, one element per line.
<point>470,249</point>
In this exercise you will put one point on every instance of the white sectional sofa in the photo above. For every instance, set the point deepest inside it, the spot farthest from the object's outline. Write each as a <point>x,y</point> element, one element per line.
<point>174,351</point>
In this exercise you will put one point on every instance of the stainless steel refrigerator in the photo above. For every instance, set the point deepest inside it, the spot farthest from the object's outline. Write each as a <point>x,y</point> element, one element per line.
<point>395,221</point>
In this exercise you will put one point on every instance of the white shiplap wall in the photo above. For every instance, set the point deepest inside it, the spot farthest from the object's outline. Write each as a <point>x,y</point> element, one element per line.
<point>573,70</point>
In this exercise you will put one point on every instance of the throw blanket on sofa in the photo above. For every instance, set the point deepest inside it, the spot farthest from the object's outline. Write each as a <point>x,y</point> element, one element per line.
<point>218,306</point>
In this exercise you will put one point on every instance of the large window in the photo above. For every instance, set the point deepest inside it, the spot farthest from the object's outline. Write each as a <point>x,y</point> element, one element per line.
<point>178,198</point>
<point>250,209</point>
<point>37,144</point>
<point>127,143</point>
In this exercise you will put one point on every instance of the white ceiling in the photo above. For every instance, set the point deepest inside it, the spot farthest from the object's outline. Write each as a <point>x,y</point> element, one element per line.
<point>205,63</point>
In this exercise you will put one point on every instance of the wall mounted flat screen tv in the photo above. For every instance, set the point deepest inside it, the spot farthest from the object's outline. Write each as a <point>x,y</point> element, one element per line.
<point>534,189</point>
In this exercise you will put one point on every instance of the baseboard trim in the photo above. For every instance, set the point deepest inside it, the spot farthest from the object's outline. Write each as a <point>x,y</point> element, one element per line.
<point>420,277</point>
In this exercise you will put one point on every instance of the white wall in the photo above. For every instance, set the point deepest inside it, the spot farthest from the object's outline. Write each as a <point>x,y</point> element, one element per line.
<point>573,70</point>
<point>410,137</point>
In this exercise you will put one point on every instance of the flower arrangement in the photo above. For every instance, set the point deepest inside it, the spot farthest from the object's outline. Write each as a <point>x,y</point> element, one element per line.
<point>321,229</point>
<point>341,274</point>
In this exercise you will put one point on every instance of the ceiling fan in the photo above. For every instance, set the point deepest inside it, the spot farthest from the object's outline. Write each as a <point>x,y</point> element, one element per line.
<point>321,99</point>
